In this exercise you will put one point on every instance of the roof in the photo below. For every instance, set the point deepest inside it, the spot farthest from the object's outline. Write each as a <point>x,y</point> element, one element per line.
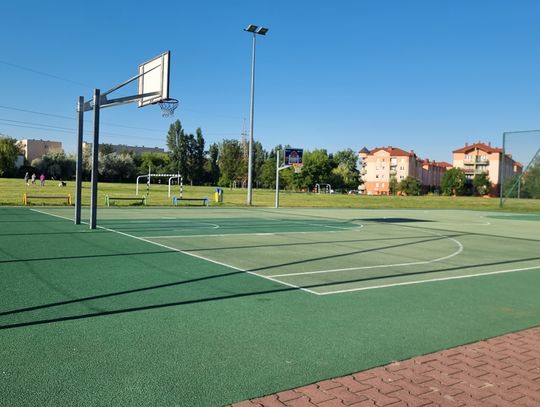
<point>481,146</point>
<point>393,151</point>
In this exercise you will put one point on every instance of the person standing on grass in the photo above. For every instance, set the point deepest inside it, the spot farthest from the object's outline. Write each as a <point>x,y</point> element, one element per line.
<point>26,178</point>
<point>33,179</point>
<point>42,180</point>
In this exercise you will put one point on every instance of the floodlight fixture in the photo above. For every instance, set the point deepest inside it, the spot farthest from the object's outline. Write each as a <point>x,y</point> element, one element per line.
<point>251,28</point>
<point>261,30</point>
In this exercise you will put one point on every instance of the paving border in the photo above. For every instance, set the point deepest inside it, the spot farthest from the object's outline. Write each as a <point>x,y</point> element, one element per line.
<point>501,371</point>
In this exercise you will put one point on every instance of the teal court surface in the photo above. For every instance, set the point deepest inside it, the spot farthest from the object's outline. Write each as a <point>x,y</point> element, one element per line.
<point>206,306</point>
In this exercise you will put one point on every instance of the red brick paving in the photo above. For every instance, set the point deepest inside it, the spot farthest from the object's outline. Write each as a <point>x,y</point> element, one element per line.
<point>498,372</point>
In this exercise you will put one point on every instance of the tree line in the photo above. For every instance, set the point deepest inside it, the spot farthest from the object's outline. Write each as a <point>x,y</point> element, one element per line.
<point>225,164</point>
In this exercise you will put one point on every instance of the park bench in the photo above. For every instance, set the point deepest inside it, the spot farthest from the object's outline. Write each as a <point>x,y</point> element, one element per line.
<point>176,201</point>
<point>27,197</point>
<point>109,199</point>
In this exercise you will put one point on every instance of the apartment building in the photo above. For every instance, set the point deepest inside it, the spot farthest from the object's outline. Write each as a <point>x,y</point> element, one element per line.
<point>483,158</point>
<point>33,149</point>
<point>380,165</point>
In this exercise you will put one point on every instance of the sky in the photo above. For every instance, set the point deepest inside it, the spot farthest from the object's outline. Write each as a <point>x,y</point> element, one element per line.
<point>427,76</point>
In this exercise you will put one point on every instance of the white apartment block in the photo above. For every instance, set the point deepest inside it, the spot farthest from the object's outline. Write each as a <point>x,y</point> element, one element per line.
<point>33,149</point>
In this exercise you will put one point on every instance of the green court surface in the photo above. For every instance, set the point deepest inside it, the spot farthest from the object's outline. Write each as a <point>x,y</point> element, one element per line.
<point>205,306</point>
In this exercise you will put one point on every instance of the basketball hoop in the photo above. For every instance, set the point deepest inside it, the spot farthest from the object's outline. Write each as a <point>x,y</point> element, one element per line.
<point>297,168</point>
<point>168,106</point>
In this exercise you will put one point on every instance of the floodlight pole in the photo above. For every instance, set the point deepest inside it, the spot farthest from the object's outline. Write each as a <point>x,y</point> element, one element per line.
<point>95,153</point>
<point>255,31</point>
<point>251,114</point>
<point>78,171</point>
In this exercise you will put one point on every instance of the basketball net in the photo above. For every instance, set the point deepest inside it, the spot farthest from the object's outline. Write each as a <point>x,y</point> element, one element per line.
<point>168,106</point>
<point>297,168</point>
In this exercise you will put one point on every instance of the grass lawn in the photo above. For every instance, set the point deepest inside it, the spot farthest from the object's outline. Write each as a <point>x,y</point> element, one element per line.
<point>12,190</point>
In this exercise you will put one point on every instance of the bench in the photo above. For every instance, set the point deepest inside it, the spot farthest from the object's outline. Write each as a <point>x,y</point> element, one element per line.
<point>109,199</point>
<point>176,201</point>
<point>27,197</point>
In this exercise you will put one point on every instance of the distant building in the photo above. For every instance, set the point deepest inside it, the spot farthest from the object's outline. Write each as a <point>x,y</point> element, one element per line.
<point>481,158</point>
<point>123,148</point>
<point>33,149</point>
<point>380,165</point>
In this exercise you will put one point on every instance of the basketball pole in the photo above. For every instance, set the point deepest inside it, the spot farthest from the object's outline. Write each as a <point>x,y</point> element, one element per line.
<point>95,153</point>
<point>78,171</point>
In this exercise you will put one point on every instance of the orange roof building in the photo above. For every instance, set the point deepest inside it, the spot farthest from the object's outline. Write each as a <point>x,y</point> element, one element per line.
<point>381,164</point>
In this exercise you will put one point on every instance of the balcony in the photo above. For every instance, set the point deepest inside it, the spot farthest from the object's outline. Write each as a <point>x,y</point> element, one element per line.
<point>474,171</point>
<point>476,161</point>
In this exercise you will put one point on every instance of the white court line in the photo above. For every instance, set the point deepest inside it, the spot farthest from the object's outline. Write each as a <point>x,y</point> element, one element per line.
<point>247,234</point>
<point>458,251</point>
<point>188,254</point>
<point>166,220</point>
<point>430,280</point>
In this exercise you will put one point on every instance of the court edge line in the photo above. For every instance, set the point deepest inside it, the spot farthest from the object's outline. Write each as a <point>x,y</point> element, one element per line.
<point>187,253</point>
<point>431,280</point>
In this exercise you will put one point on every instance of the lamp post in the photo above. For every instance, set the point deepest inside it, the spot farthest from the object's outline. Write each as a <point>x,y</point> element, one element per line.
<point>260,31</point>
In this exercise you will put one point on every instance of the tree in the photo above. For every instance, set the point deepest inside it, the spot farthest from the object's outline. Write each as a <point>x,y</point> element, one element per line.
<point>198,157</point>
<point>409,186</point>
<point>393,185</point>
<point>116,167</point>
<point>345,174</point>
<point>177,144</point>
<point>453,182</point>
<point>481,183</point>
<point>9,151</point>
<point>531,180</point>
<point>317,169</point>
<point>105,148</point>
<point>231,163</point>
<point>347,157</point>
<point>259,156</point>
<point>211,165</point>
<point>56,165</point>
<point>158,162</point>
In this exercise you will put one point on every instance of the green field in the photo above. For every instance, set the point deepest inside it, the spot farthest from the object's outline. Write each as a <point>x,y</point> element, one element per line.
<point>12,190</point>
<point>165,306</point>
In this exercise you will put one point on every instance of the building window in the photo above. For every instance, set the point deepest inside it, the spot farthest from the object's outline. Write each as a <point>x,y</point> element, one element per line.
<point>376,185</point>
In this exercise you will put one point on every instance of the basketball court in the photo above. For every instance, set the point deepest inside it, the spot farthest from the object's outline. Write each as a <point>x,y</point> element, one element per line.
<point>209,306</point>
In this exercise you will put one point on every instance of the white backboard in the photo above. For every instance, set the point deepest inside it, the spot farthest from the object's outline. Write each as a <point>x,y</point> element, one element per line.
<point>155,79</point>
